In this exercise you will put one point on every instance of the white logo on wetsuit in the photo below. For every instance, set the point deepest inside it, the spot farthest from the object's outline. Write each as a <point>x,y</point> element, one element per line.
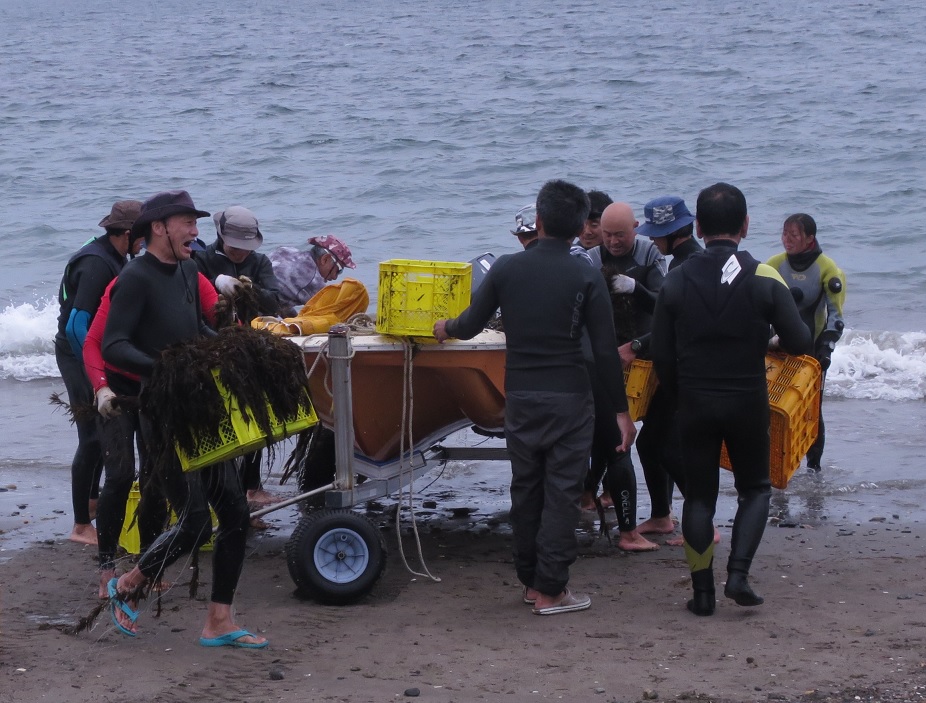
<point>730,270</point>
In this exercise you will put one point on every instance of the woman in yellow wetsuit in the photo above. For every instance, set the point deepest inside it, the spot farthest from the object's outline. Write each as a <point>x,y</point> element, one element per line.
<point>819,289</point>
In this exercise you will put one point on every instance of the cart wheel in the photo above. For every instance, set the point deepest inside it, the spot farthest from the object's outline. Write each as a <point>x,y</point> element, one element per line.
<point>335,556</point>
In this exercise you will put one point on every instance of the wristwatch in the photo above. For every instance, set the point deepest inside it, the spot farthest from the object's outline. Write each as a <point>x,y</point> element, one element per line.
<point>636,346</point>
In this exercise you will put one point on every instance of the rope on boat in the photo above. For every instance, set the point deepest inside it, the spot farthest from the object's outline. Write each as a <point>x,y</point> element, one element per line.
<point>408,406</point>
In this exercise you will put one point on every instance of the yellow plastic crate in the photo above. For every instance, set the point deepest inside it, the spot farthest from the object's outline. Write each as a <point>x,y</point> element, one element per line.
<point>239,433</point>
<point>639,384</point>
<point>130,540</point>
<point>794,401</point>
<point>413,295</point>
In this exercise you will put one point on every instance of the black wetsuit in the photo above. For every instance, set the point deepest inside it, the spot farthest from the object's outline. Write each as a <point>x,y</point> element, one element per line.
<point>86,276</point>
<point>214,263</point>
<point>710,337</point>
<point>658,442</point>
<point>155,305</point>
<point>646,265</point>
<point>547,297</point>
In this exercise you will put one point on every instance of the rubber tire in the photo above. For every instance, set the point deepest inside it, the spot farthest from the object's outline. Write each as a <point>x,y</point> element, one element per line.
<point>318,534</point>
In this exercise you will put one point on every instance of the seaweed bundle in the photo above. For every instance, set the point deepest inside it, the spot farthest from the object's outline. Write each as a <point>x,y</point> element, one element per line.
<point>263,372</point>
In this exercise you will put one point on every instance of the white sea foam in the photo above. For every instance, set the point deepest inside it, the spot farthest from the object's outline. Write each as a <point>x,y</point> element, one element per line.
<point>879,366</point>
<point>866,365</point>
<point>27,347</point>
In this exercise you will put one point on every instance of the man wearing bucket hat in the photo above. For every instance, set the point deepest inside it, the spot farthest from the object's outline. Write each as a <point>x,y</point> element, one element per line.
<point>302,274</point>
<point>670,225</point>
<point>155,303</point>
<point>86,276</point>
<point>233,263</point>
<point>234,255</point>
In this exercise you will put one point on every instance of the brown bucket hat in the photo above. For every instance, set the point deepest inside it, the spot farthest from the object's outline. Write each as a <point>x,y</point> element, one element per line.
<point>123,215</point>
<point>162,205</point>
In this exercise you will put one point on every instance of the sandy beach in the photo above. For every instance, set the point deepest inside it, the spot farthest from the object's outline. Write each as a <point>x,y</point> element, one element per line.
<point>844,620</point>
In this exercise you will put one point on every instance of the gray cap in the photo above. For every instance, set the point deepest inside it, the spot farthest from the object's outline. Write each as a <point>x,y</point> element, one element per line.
<point>237,226</point>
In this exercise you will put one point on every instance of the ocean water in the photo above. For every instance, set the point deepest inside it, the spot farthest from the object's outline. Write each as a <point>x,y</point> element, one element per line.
<point>416,130</point>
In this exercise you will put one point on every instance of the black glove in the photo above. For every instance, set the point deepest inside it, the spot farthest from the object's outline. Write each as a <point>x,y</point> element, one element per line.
<point>825,347</point>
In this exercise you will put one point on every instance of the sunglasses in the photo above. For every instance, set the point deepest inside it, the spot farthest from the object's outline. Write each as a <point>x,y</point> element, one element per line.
<point>338,266</point>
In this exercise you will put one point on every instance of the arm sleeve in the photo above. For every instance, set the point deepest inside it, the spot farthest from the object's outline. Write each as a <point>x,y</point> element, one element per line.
<point>473,320</point>
<point>93,346</point>
<point>125,315</point>
<point>268,288</point>
<point>76,329</point>
<point>92,276</point>
<point>208,297</point>
<point>793,335</point>
<point>644,294</point>
<point>834,288</point>
<point>662,345</point>
<point>603,340</point>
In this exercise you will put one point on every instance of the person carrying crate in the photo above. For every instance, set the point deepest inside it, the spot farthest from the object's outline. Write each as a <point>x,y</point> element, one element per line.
<point>710,336</point>
<point>154,304</point>
<point>818,286</point>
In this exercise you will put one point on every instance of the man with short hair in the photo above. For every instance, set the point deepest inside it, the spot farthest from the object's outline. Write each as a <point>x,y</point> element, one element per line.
<point>302,274</point>
<point>590,238</point>
<point>155,303</point>
<point>86,276</point>
<point>710,337</point>
<point>548,298</point>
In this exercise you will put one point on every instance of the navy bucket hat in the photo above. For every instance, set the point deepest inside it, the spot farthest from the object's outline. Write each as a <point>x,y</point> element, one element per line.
<point>664,216</point>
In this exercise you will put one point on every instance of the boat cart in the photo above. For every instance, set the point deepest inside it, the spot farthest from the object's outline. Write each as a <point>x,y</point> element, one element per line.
<point>336,555</point>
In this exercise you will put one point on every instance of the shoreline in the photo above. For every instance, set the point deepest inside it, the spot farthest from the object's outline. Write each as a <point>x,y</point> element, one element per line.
<point>844,612</point>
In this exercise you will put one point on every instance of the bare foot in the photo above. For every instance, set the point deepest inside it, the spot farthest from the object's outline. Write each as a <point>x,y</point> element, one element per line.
<point>83,534</point>
<point>679,541</point>
<point>587,501</point>
<point>105,577</point>
<point>606,501</point>
<point>92,507</point>
<point>635,542</point>
<point>219,622</point>
<point>260,498</point>
<point>657,526</point>
<point>258,524</point>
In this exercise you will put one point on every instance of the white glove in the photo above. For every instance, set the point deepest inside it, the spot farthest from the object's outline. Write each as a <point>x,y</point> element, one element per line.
<point>227,285</point>
<point>622,284</point>
<point>104,403</point>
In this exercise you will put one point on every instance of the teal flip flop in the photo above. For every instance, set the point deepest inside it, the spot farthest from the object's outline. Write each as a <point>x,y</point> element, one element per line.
<point>232,639</point>
<point>116,602</point>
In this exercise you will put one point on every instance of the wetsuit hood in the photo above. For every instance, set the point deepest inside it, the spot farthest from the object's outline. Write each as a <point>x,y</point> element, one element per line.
<point>804,260</point>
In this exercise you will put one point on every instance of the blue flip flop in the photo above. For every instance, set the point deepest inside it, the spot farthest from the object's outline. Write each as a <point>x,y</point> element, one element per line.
<point>232,639</point>
<point>116,602</point>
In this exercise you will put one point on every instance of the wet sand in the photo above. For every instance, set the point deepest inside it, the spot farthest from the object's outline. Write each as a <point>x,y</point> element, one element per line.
<point>841,568</point>
<point>845,616</point>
